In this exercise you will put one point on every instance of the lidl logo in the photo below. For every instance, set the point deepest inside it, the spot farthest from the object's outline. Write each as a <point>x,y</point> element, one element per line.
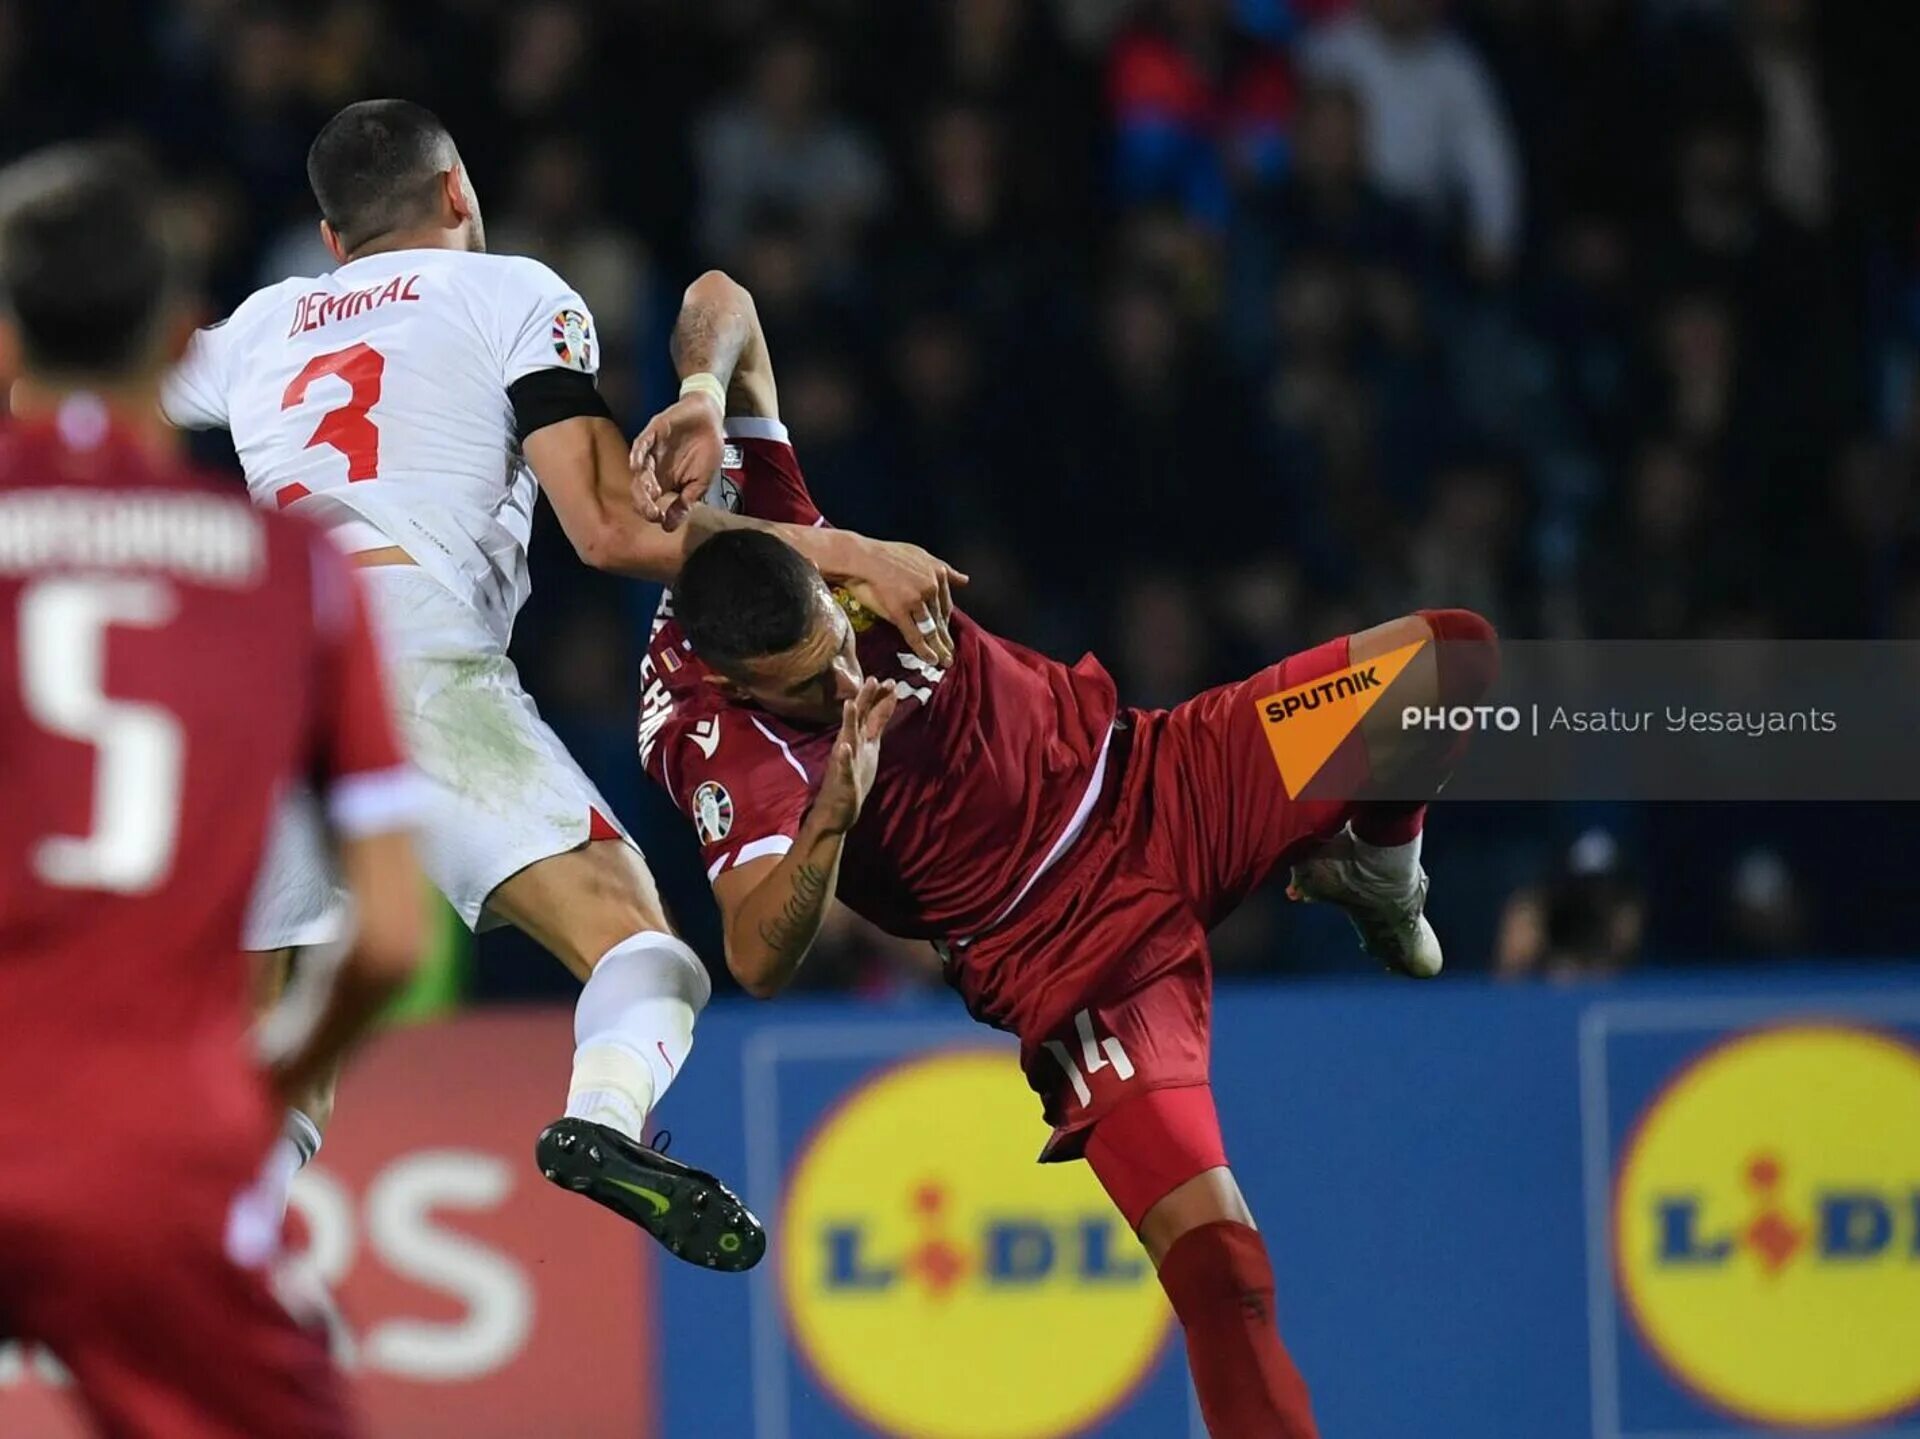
<point>1767,1227</point>
<point>941,1284</point>
<point>1306,722</point>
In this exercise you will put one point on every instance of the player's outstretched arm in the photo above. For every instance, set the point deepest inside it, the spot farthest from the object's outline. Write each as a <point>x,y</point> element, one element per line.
<point>720,353</point>
<point>581,463</point>
<point>725,366</point>
<point>910,588</point>
<point>773,909</point>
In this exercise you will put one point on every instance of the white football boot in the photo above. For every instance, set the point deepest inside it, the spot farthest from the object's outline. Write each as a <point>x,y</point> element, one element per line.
<point>1388,912</point>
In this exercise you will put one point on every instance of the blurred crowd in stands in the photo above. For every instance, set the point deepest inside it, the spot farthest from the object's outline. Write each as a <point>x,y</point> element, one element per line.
<point>1199,331</point>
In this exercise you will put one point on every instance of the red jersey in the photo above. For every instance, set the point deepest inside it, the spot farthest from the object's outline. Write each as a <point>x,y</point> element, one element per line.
<point>990,765</point>
<point>170,658</point>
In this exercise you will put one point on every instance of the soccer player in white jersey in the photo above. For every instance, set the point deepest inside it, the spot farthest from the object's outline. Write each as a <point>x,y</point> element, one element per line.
<point>414,401</point>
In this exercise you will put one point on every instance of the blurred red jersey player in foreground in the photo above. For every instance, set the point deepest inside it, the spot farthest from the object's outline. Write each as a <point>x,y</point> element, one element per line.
<point>1066,853</point>
<point>170,658</point>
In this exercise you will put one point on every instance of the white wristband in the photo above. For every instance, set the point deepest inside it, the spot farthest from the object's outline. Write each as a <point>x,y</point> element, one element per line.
<point>708,385</point>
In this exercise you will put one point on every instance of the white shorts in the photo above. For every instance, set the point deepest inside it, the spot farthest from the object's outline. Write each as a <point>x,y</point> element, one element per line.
<point>503,792</point>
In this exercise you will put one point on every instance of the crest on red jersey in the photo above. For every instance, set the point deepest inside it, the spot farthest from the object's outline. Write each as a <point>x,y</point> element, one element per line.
<point>858,615</point>
<point>712,812</point>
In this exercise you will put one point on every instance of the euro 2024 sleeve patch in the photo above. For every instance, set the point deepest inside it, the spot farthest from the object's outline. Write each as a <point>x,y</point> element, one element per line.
<point>573,339</point>
<point>712,812</point>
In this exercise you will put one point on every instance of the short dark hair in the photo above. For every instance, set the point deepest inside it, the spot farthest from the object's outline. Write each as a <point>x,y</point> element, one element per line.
<point>375,166</point>
<point>85,262</point>
<point>744,594</point>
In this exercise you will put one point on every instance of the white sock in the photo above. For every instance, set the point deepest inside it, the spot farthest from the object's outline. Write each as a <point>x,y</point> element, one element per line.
<point>633,1029</point>
<point>1389,864</point>
<point>299,1141</point>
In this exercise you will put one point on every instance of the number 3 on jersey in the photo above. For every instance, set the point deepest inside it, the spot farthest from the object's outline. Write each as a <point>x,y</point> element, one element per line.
<point>347,428</point>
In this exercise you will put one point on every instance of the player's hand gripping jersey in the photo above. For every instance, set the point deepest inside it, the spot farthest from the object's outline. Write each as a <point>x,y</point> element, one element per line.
<point>388,399</point>
<point>991,765</point>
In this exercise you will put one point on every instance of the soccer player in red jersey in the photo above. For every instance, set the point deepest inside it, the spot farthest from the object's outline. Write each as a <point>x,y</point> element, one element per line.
<point>1067,854</point>
<point>170,658</point>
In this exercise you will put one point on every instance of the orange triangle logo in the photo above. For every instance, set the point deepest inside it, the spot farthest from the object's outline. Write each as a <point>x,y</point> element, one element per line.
<point>1306,723</point>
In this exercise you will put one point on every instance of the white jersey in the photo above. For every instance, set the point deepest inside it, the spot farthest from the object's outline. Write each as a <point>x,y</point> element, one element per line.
<point>375,401</point>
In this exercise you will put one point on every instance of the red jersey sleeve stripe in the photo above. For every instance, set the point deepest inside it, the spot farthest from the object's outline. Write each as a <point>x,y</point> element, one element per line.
<point>773,845</point>
<point>798,768</point>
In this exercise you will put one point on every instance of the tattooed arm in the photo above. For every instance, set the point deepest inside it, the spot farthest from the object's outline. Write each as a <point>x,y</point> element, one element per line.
<point>772,908</point>
<point>718,348</point>
<point>718,333</point>
<point>773,925</point>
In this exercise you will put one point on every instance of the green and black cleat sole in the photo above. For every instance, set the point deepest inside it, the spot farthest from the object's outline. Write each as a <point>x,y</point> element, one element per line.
<point>693,1214</point>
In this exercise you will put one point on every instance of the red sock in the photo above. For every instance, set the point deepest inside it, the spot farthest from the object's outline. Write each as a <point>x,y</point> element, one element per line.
<point>1467,661</point>
<point>1466,654</point>
<point>1388,824</point>
<point>1221,1286</point>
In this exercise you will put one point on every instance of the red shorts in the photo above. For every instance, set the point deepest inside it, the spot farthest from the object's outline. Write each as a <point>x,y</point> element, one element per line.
<point>129,1277</point>
<point>1103,971</point>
